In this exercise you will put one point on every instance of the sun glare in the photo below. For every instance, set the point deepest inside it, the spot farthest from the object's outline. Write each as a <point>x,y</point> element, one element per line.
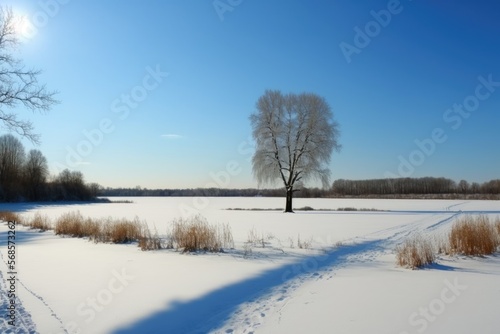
<point>22,25</point>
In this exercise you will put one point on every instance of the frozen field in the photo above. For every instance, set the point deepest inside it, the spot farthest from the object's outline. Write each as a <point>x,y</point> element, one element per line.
<point>345,281</point>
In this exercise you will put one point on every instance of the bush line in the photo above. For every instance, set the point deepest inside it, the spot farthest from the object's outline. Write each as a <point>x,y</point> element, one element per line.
<point>469,236</point>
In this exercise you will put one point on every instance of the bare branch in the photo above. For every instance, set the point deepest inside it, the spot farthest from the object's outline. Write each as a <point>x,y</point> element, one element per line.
<point>19,86</point>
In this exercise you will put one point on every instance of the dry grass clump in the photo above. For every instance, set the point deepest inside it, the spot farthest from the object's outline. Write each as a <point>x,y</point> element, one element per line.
<point>116,231</point>
<point>106,230</point>
<point>470,236</point>
<point>195,234</point>
<point>124,231</point>
<point>226,235</point>
<point>9,216</point>
<point>474,236</point>
<point>94,230</point>
<point>304,244</point>
<point>415,253</point>
<point>149,241</point>
<point>40,222</point>
<point>71,224</point>
<point>254,238</point>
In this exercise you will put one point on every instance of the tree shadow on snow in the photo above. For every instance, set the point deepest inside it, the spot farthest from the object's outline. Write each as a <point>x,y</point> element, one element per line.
<point>20,207</point>
<point>211,311</point>
<point>21,237</point>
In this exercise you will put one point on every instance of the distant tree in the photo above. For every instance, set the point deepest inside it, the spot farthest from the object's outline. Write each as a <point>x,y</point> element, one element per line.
<point>11,163</point>
<point>19,86</point>
<point>295,136</point>
<point>491,187</point>
<point>95,189</point>
<point>475,188</point>
<point>463,187</point>
<point>71,186</point>
<point>35,174</point>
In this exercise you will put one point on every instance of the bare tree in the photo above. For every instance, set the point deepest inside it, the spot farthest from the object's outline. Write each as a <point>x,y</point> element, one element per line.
<point>18,85</point>
<point>36,172</point>
<point>11,162</point>
<point>463,187</point>
<point>94,189</point>
<point>72,186</point>
<point>295,137</point>
<point>475,188</point>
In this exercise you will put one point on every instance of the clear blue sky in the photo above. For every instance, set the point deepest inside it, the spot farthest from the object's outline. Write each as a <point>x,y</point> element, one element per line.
<point>182,129</point>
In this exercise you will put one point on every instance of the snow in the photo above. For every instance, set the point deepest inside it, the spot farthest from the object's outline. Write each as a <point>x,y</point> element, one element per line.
<point>347,282</point>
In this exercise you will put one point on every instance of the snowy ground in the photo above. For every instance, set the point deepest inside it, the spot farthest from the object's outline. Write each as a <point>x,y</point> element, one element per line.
<point>346,282</point>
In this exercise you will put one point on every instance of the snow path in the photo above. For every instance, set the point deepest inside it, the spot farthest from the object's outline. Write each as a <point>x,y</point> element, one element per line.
<point>251,315</point>
<point>23,322</point>
<point>243,307</point>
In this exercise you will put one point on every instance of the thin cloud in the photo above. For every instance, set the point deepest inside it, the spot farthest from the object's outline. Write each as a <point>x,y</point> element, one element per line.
<point>172,136</point>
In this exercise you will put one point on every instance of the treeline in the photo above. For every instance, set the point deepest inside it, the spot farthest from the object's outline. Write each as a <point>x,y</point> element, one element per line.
<point>211,192</point>
<point>413,186</point>
<point>426,187</point>
<point>25,177</point>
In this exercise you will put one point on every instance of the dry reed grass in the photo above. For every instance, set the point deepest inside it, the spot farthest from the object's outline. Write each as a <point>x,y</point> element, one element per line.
<point>474,236</point>
<point>415,253</point>
<point>9,216</point>
<point>40,222</point>
<point>105,230</point>
<point>195,234</point>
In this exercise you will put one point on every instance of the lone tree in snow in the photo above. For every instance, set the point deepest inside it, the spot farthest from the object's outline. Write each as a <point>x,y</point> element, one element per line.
<point>18,86</point>
<point>295,136</point>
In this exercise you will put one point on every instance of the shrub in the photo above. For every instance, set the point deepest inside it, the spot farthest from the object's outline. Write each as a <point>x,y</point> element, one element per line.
<point>415,253</point>
<point>305,208</point>
<point>473,236</point>
<point>195,234</point>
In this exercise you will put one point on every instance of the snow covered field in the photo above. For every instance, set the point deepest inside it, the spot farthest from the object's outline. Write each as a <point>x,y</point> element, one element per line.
<point>344,281</point>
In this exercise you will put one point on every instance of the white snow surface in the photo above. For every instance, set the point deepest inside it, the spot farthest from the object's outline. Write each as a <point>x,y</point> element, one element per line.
<point>345,282</point>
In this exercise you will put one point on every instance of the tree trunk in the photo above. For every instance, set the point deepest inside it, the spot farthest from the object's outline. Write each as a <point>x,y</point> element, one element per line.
<point>289,196</point>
